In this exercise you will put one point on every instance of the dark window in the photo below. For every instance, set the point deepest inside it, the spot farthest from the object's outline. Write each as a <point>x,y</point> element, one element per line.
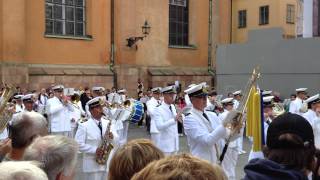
<point>290,14</point>
<point>178,23</point>
<point>264,15</point>
<point>65,17</point>
<point>242,19</point>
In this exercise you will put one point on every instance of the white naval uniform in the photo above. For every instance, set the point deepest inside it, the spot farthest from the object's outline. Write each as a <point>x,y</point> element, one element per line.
<point>231,157</point>
<point>168,128</point>
<point>315,123</point>
<point>151,107</point>
<point>236,104</point>
<point>59,117</point>
<point>309,115</point>
<point>89,138</point>
<point>204,137</point>
<point>76,115</point>
<point>19,108</point>
<point>295,106</point>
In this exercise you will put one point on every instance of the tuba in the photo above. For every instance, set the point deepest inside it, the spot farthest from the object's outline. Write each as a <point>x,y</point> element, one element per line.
<point>106,146</point>
<point>5,112</point>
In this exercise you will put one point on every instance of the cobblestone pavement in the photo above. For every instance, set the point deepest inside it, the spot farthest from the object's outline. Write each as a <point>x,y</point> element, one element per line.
<point>138,132</point>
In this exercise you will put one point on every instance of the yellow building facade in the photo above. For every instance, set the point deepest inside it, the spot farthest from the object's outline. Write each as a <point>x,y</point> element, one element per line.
<point>82,43</point>
<point>258,14</point>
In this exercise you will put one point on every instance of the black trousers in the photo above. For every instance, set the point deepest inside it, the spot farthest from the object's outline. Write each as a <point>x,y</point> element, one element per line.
<point>180,128</point>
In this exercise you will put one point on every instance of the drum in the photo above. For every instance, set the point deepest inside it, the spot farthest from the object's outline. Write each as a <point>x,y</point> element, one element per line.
<point>137,111</point>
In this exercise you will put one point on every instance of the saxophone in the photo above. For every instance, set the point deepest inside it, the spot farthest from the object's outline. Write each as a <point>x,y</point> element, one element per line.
<point>106,146</point>
<point>5,112</point>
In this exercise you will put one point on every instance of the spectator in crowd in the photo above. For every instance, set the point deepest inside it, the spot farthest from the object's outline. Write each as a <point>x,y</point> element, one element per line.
<point>23,130</point>
<point>85,97</point>
<point>21,170</point>
<point>58,155</point>
<point>290,151</point>
<point>184,167</point>
<point>133,157</point>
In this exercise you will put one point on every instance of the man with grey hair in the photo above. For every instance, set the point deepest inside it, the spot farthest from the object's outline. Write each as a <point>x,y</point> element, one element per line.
<point>23,130</point>
<point>17,170</point>
<point>57,153</point>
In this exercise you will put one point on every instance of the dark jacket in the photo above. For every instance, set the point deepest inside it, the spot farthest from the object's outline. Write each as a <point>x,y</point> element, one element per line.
<point>262,169</point>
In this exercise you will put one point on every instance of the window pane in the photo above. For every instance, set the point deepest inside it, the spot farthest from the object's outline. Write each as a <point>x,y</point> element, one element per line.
<point>178,23</point>
<point>58,12</point>
<point>49,11</point>
<point>79,14</point>
<point>58,27</point>
<point>79,2</point>
<point>70,28</point>
<point>49,27</point>
<point>69,2</point>
<point>79,29</point>
<point>70,13</point>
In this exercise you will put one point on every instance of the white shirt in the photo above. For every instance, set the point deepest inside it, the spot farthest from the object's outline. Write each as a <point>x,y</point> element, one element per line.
<point>204,136</point>
<point>151,106</point>
<point>59,115</point>
<point>89,138</point>
<point>168,129</point>
<point>295,106</point>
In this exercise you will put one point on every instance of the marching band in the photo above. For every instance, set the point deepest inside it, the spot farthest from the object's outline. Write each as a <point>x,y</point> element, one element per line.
<point>102,127</point>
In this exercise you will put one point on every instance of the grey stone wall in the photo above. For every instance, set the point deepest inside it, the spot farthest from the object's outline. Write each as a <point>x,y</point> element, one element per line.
<point>286,64</point>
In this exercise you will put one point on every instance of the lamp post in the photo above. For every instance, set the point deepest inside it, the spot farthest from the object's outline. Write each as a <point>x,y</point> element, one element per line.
<point>145,31</point>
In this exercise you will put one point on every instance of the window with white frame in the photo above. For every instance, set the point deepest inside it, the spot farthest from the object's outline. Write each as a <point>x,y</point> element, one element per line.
<point>65,17</point>
<point>264,15</point>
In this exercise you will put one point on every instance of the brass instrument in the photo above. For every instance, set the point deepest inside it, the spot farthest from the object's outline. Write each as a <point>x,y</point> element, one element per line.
<point>5,112</point>
<point>278,109</point>
<point>304,108</point>
<point>106,146</point>
<point>239,119</point>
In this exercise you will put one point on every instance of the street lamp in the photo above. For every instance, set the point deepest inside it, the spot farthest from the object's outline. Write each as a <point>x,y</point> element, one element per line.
<point>145,31</point>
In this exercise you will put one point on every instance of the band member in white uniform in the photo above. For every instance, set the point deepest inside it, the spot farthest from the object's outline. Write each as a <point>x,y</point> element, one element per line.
<point>313,117</point>
<point>76,114</point>
<point>19,104</point>
<point>236,100</point>
<point>89,136</point>
<point>312,105</point>
<point>296,106</point>
<point>268,113</point>
<point>28,104</point>
<point>203,129</point>
<point>151,106</point>
<point>230,161</point>
<point>58,110</point>
<point>165,118</point>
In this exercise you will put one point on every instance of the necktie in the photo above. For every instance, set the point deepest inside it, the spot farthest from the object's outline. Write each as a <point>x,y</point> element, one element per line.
<point>170,107</point>
<point>205,116</point>
<point>100,127</point>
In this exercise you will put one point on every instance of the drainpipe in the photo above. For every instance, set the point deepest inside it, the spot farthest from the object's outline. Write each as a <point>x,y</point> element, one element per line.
<point>231,20</point>
<point>211,71</point>
<point>112,56</point>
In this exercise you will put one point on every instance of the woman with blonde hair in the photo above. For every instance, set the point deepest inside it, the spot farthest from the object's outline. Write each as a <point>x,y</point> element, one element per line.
<point>132,157</point>
<point>180,167</point>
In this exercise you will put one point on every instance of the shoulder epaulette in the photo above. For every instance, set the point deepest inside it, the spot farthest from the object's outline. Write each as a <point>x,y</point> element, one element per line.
<point>187,114</point>
<point>158,105</point>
